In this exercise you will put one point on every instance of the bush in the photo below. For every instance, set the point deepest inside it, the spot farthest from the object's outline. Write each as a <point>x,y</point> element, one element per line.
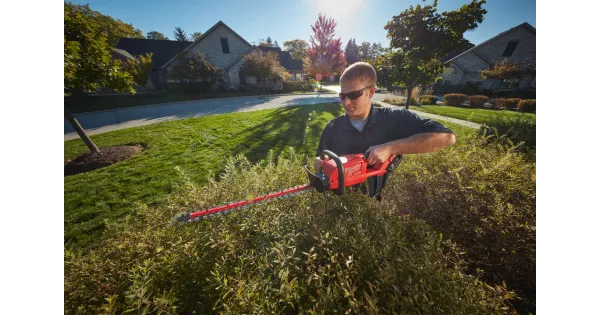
<point>455,99</point>
<point>428,100</point>
<point>315,253</point>
<point>512,103</point>
<point>511,130</point>
<point>498,103</point>
<point>527,106</point>
<point>477,101</point>
<point>483,198</point>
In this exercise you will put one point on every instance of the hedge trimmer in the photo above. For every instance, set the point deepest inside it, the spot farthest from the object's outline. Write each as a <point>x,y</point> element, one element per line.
<point>336,174</point>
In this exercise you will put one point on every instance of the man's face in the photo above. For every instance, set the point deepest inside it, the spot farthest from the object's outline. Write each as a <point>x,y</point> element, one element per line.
<point>357,108</point>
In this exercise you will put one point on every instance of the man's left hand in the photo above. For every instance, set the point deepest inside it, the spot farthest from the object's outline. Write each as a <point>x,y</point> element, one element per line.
<point>379,153</point>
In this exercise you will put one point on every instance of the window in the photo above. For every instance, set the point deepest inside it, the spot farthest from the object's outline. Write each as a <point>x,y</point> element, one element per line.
<point>474,79</point>
<point>509,83</point>
<point>510,48</point>
<point>224,45</point>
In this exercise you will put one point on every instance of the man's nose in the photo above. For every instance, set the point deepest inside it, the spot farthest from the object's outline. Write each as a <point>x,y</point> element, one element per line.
<point>346,101</point>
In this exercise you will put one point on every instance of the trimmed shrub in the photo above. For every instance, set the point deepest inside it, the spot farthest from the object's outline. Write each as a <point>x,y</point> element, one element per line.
<point>428,100</point>
<point>512,103</point>
<point>498,103</point>
<point>483,197</point>
<point>511,130</point>
<point>455,99</point>
<point>314,253</point>
<point>477,101</point>
<point>527,106</point>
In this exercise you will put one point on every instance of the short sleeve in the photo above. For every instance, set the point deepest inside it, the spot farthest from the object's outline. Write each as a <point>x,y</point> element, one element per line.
<point>408,123</point>
<point>323,142</point>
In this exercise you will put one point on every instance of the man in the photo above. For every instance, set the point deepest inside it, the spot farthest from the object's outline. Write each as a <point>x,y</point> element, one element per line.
<point>380,131</point>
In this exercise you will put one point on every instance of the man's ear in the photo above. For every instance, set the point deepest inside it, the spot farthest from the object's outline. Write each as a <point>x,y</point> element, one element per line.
<point>372,91</point>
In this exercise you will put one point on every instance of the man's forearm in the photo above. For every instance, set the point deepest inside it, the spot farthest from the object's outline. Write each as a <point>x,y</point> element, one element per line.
<point>422,143</point>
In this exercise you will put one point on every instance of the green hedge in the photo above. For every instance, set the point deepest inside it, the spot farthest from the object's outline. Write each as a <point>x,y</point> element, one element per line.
<point>512,103</point>
<point>428,100</point>
<point>314,253</point>
<point>527,106</point>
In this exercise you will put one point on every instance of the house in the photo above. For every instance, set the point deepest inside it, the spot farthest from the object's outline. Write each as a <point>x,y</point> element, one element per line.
<point>517,43</point>
<point>220,43</point>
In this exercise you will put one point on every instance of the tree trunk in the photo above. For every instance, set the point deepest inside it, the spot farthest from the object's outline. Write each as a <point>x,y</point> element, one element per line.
<point>93,148</point>
<point>408,93</point>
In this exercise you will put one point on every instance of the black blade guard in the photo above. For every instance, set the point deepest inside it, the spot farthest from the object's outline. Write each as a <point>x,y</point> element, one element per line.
<point>319,181</point>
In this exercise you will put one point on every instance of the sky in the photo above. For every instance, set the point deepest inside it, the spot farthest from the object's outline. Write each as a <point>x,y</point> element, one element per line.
<point>286,20</point>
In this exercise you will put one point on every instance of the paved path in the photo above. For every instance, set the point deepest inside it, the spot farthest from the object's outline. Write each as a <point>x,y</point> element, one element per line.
<point>109,120</point>
<point>434,116</point>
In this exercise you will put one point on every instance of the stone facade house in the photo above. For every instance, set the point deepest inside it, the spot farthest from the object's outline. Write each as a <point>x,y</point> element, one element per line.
<point>517,43</point>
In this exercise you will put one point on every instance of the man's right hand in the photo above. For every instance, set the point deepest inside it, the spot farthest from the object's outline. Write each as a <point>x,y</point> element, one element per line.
<point>319,163</point>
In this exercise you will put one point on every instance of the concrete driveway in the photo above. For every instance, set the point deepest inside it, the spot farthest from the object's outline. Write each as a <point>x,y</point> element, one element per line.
<point>109,120</point>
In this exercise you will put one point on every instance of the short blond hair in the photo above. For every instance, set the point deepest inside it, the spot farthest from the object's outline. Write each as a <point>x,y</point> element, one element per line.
<point>360,71</point>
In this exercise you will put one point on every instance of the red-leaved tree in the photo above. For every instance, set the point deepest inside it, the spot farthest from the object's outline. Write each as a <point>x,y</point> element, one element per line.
<point>325,54</point>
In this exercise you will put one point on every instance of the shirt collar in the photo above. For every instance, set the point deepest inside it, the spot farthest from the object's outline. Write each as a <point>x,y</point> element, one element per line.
<point>370,119</point>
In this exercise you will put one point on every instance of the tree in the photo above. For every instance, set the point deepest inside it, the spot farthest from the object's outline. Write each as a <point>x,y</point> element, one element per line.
<point>156,35</point>
<point>113,29</point>
<point>420,37</point>
<point>193,67</point>
<point>264,65</point>
<point>275,44</point>
<point>365,52</point>
<point>140,68</point>
<point>196,35</point>
<point>509,70</point>
<point>325,56</point>
<point>88,64</point>
<point>296,47</point>
<point>267,42</point>
<point>351,52</point>
<point>180,35</point>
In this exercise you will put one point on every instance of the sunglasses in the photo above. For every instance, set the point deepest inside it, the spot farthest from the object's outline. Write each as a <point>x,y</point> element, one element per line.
<point>354,95</point>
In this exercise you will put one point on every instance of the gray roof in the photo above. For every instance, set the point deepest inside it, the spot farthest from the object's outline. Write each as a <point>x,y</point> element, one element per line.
<point>162,50</point>
<point>285,58</point>
<point>123,53</point>
<point>526,25</point>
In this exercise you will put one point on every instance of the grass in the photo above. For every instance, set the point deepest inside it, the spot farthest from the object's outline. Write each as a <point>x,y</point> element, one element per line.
<point>177,151</point>
<point>477,115</point>
<point>106,102</point>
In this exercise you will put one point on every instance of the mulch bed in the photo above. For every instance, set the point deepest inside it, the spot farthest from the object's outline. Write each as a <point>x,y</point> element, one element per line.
<point>107,156</point>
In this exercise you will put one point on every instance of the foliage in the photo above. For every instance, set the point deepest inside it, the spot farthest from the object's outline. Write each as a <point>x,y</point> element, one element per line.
<point>498,103</point>
<point>195,35</point>
<point>113,29</point>
<point>512,103</point>
<point>509,69</point>
<point>517,130</point>
<point>420,37</point>
<point>156,35</point>
<point>351,52</point>
<point>87,55</point>
<point>325,55</point>
<point>296,47</point>
<point>180,35</point>
<point>482,196</point>
<point>455,99</point>
<point>193,67</point>
<point>317,253</point>
<point>527,106</point>
<point>267,42</point>
<point>140,69</point>
<point>263,65</point>
<point>428,100</point>
<point>368,52</point>
<point>477,101</point>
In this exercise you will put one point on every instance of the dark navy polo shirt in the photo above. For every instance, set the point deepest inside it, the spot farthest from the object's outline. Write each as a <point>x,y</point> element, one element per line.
<point>383,125</point>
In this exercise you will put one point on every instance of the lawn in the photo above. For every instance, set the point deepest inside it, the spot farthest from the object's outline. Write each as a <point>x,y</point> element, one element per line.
<point>193,148</point>
<point>477,115</point>
<point>105,102</point>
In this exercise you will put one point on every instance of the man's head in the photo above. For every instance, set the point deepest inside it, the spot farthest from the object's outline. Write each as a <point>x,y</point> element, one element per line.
<point>355,78</point>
